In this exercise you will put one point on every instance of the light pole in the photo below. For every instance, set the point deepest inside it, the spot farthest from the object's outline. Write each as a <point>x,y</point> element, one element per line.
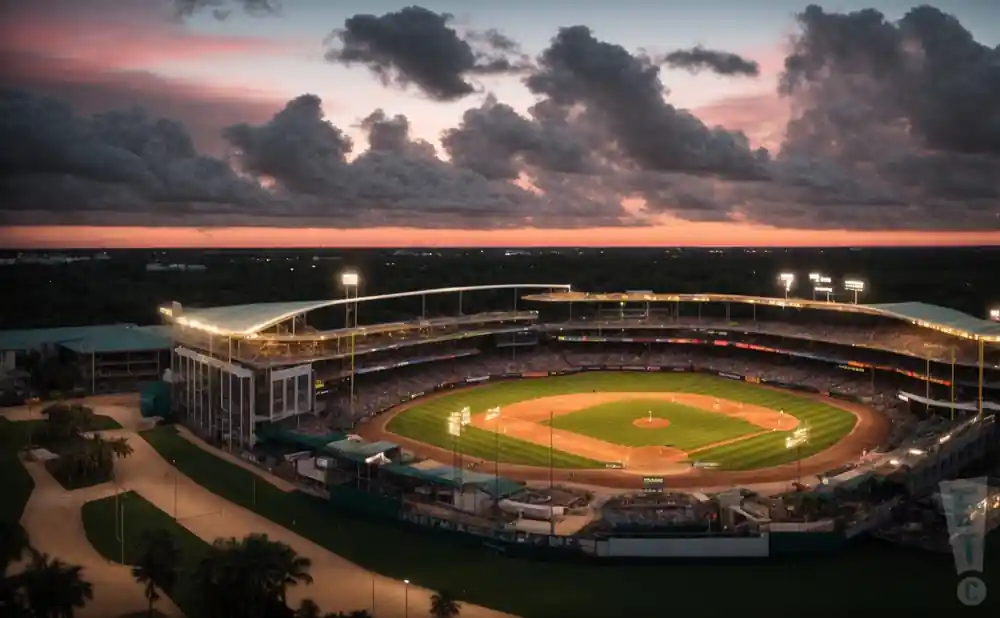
<point>795,441</point>
<point>406,598</point>
<point>995,315</point>
<point>31,402</point>
<point>373,595</point>
<point>350,279</point>
<point>823,289</point>
<point>820,282</point>
<point>854,285</point>
<point>787,281</point>
<point>174,462</point>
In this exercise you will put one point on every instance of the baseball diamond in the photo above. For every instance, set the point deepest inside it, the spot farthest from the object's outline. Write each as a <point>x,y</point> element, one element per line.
<point>599,427</point>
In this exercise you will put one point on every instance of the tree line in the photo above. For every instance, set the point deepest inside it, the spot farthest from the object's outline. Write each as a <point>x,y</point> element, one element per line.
<point>238,578</point>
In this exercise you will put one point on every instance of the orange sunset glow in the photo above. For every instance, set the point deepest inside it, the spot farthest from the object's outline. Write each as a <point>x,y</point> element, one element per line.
<point>681,235</point>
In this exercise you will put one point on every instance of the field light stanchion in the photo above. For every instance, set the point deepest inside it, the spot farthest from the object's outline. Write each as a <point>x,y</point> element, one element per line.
<point>174,462</point>
<point>787,281</point>
<point>350,280</point>
<point>552,518</point>
<point>799,437</point>
<point>982,361</point>
<point>373,595</point>
<point>952,383</point>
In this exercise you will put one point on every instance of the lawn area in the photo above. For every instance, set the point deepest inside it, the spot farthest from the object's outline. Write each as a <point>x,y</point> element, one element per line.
<point>17,483</point>
<point>427,421</point>
<point>689,429</point>
<point>853,579</point>
<point>101,523</point>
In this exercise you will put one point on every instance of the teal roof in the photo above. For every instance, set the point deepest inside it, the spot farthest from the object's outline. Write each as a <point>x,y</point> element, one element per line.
<point>940,316</point>
<point>87,339</point>
<point>354,448</point>
<point>451,476</point>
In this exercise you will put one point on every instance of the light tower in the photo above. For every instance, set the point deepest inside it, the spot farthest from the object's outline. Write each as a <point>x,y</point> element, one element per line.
<point>995,315</point>
<point>854,285</point>
<point>350,280</point>
<point>821,284</point>
<point>787,281</point>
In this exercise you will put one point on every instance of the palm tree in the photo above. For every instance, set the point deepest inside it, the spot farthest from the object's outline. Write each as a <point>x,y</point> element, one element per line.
<point>308,609</point>
<point>13,544</point>
<point>443,605</point>
<point>249,576</point>
<point>54,589</point>
<point>157,564</point>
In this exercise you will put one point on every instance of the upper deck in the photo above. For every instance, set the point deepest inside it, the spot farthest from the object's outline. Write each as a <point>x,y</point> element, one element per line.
<point>941,319</point>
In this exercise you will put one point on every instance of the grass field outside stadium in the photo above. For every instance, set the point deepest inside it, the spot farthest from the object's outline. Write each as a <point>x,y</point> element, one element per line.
<point>726,440</point>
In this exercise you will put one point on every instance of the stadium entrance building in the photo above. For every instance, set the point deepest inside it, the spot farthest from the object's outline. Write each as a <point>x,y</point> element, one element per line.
<point>237,368</point>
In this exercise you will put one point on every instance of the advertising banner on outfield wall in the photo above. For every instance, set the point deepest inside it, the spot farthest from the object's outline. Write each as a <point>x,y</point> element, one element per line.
<point>477,379</point>
<point>730,376</point>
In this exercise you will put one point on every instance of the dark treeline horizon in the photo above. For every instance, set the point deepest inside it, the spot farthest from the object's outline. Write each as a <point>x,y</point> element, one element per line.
<point>120,289</point>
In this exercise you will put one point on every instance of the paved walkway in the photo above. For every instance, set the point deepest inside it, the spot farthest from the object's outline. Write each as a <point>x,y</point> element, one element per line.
<point>340,585</point>
<point>54,523</point>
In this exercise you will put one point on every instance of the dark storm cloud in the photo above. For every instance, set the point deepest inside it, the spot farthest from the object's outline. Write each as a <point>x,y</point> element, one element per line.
<point>115,160</point>
<point>907,111</point>
<point>387,134</point>
<point>724,63</point>
<point>622,93</point>
<point>416,46</point>
<point>494,140</point>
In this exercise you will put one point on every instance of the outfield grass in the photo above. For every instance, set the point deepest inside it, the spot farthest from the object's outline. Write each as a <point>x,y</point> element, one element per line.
<point>869,576</point>
<point>100,523</point>
<point>427,421</point>
<point>689,429</point>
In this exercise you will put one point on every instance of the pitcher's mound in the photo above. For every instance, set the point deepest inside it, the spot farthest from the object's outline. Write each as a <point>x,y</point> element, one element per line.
<point>651,423</point>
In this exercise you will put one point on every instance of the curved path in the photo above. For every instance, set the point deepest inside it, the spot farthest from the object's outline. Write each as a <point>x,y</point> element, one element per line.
<point>339,585</point>
<point>54,523</point>
<point>870,430</point>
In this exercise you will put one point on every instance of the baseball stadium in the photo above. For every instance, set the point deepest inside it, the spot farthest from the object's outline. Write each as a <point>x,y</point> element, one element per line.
<point>536,409</point>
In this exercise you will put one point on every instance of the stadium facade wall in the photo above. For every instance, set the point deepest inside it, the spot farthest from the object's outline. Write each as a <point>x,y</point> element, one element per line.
<point>705,547</point>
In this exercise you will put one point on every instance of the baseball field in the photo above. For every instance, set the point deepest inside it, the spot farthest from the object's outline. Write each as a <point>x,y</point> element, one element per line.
<point>639,422</point>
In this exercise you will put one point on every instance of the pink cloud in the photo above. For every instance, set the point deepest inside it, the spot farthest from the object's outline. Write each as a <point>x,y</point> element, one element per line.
<point>89,88</point>
<point>761,116</point>
<point>123,42</point>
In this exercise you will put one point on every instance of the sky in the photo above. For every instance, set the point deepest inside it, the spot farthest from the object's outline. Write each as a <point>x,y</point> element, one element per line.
<point>236,123</point>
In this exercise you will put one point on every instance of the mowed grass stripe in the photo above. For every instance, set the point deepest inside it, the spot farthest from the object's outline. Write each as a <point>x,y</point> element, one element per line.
<point>427,421</point>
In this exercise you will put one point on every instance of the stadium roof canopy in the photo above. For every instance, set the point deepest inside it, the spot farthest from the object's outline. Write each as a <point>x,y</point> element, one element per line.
<point>105,338</point>
<point>924,315</point>
<point>245,320</point>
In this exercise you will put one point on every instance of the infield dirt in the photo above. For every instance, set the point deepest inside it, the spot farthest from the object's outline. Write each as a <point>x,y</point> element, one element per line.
<point>523,420</point>
<point>869,431</point>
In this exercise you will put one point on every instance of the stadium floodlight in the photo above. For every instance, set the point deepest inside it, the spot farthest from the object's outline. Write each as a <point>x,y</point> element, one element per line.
<point>795,441</point>
<point>995,315</point>
<point>823,289</point>
<point>349,278</point>
<point>787,281</point>
<point>819,281</point>
<point>854,285</point>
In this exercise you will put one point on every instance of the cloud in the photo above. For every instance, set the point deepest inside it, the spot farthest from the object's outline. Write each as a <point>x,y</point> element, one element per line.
<point>222,9</point>
<point>724,63</point>
<point>418,47</point>
<point>891,126</point>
